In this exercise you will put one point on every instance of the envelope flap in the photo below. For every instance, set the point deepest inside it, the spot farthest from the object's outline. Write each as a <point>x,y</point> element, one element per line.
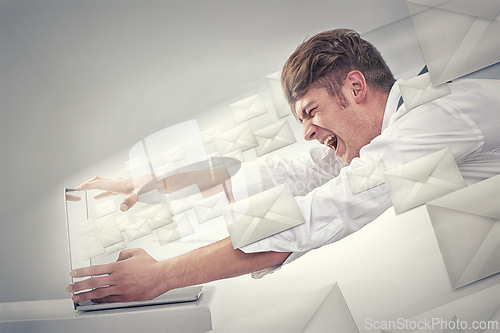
<point>138,229</point>
<point>422,83</point>
<point>86,226</point>
<point>479,199</point>
<point>212,202</point>
<point>208,134</point>
<point>331,315</point>
<point>285,133</point>
<point>420,90</point>
<point>237,134</point>
<point>258,204</point>
<point>270,131</point>
<point>246,103</point>
<point>109,233</point>
<point>249,229</point>
<point>258,104</point>
<point>414,84</point>
<point>219,201</point>
<point>284,206</point>
<point>419,169</point>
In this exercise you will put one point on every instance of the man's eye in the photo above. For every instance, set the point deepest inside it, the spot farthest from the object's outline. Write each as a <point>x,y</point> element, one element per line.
<point>312,112</point>
<point>308,114</point>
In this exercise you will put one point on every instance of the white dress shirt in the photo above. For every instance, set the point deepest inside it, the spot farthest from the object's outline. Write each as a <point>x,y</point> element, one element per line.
<point>467,121</point>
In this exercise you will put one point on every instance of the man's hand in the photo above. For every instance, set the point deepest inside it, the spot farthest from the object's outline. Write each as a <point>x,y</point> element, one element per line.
<point>134,277</point>
<point>123,186</point>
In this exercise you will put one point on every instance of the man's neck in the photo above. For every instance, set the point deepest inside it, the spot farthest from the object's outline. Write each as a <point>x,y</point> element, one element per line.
<point>377,104</point>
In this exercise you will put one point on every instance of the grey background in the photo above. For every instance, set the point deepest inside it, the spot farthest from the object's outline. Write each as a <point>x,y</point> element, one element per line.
<point>83,81</point>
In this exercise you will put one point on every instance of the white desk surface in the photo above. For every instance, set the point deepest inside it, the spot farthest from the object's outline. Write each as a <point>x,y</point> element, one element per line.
<point>59,316</point>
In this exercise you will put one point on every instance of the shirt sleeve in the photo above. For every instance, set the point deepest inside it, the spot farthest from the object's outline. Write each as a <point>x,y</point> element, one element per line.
<point>331,211</point>
<point>302,173</point>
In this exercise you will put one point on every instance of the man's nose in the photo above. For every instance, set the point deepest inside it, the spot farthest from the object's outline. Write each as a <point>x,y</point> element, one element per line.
<point>309,130</point>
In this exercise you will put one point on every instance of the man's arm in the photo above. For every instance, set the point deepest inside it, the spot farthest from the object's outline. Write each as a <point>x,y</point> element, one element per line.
<point>209,182</point>
<point>137,276</point>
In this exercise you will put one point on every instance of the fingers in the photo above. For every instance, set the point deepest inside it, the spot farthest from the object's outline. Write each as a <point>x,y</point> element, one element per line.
<point>92,270</point>
<point>100,284</point>
<point>96,294</point>
<point>125,254</point>
<point>92,283</point>
<point>129,253</point>
<point>130,278</point>
<point>103,195</point>
<point>119,185</point>
<point>129,201</point>
<point>73,197</point>
<point>89,184</point>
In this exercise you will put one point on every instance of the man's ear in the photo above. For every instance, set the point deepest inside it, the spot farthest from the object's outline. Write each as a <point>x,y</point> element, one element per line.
<point>356,84</point>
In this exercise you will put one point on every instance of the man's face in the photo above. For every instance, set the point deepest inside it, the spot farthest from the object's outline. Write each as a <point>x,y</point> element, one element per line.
<point>346,129</point>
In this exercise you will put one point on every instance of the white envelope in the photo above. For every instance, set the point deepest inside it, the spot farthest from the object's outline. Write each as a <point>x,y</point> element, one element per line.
<point>86,226</point>
<point>331,315</point>
<point>239,138</point>
<point>274,137</point>
<point>419,90</point>
<point>319,310</point>
<point>262,215</point>
<point>156,215</point>
<point>280,103</point>
<point>181,227</point>
<point>210,207</point>
<point>248,108</point>
<point>90,246</point>
<point>138,229</point>
<point>184,226</point>
<point>207,136</point>
<point>183,199</point>
<point>123,220</point>
<point>108,231</point>
<point>420,181</point>
<point>467,227</point>
<point>115,248</point>
<point>366,176</point>
<point>456,37</point>
<point>105,208</point>
<point>173,155</point>
<point>167,234</point>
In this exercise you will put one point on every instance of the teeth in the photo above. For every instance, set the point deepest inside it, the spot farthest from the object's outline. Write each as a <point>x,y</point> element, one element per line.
<point>329,140</point>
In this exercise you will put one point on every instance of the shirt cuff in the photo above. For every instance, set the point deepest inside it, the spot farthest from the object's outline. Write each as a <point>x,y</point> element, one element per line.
<point>265,245</point>
<point>263,272</point>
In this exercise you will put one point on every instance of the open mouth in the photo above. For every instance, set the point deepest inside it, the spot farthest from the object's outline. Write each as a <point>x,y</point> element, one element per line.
<point>331,141</point>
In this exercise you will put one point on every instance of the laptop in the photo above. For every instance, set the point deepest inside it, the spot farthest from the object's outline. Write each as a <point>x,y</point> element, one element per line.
<point>81,254</point>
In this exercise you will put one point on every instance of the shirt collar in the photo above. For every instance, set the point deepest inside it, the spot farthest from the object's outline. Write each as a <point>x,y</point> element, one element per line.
<point>391,104</point>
